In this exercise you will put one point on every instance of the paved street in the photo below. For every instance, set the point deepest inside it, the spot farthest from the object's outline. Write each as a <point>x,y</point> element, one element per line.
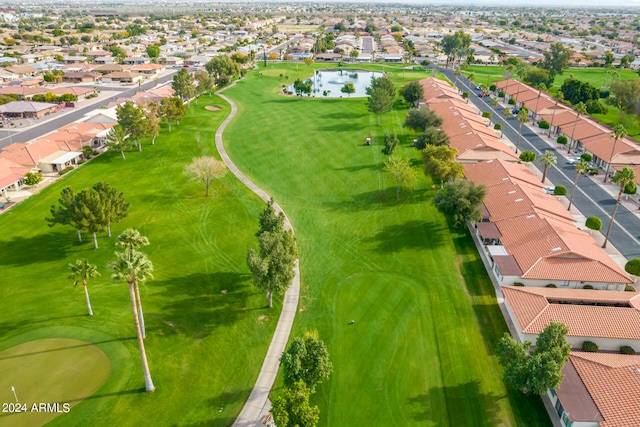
<point>368,45</point>
<point>71,115</point>
<point>590,198</point>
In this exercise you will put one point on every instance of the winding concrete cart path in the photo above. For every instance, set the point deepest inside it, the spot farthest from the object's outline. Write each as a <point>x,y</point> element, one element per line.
<point>257,406</point>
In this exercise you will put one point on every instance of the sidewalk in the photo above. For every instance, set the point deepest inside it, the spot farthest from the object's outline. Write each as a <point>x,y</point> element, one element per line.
<point>258,405</point>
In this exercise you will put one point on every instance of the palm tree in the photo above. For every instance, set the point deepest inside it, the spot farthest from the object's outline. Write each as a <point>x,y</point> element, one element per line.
<point>619,132</point>
<point>547,159</point>
<point>80,272</point>
<point>580,108</point>
<point>133,267</point>
<point>621,178</point>
<point>132,239</point>
<point>541,87</point>
<point>523,117</point>
<point>581,167</point>
<point>559,98</point>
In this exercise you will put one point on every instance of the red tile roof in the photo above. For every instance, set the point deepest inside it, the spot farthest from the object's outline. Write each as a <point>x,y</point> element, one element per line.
<point>534,308</point>
<point>613,381</point>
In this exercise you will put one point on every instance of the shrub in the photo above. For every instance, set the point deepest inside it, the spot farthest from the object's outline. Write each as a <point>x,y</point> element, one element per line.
<point>629,288</point>
<point>593,171</point>
<point>493,88</point>
<point>589,346</point>
<point>87,151</point>
<point>604,93</point>
<point>633,266</point>
<point>81,161</point>
<point>551,285</point>
<point>586,157</point>
<point>65,170</point>
<point>544,124</point>
<point>518,284</point>
<point>630,188</point>
<point>560,190</point>
<point>625,349</point>
<point>593,223</point>
<point>587,287</point>
<point>562,140</point>
<point>501,94</point>
<point>33,178</point>
<point>511,101</point>
<point>465,95</point>
<point>486,114</point>
<point>497,126</point>
<point>527,156</point>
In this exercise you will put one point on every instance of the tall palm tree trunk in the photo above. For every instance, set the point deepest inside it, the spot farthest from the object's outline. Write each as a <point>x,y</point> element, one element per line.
<point>86,296</point>
<point>613,216</point>
<point>573,190</point>
<point>79,235</point>
<point>148,382</point>
<point>270,298</point>
<point>140,313</point>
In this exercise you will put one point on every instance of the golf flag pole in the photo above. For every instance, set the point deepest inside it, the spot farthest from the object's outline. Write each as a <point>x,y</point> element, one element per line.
<point>13,389</point>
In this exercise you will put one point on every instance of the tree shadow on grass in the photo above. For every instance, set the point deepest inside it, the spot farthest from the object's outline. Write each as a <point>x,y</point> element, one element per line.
<point>103,395</point>
<point>346,115</point>
<point>10,326</point>
<point>53,246</point>
<point>414,235</point>
<point>200,303</point>
<point>341,127</point>
<point>66,348</point>
<point>378,199</point>
<point>472,268</point>
<point>465,405</point>
<point>491,324</point>
<point>374,167</point>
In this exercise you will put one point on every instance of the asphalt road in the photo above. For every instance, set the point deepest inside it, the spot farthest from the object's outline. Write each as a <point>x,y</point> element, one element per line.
<point>368,44</point>
<point>590,199</point>
<point>75,115</point>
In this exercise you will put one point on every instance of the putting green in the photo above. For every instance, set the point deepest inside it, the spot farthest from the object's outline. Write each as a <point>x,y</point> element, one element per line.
<point>48,371</point>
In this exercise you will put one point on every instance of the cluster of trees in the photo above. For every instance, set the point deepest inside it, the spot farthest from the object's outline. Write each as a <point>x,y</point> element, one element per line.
<point>131,266</point>
<point>576,91</point>
<point>456,45</point>
<point>92,210</point>
<point>305,364</point>
<point>273,265</point>
<point>136,122</point>
<point>426,121</point>
<point>626,95</point>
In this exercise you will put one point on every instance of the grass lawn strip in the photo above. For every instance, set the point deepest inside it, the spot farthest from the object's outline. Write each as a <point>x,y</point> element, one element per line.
<point>205,347</point>
<point>366,256</point>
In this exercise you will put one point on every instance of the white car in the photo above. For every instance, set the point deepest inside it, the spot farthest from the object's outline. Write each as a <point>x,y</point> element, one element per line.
<point>573,161</point>
<point>549,190</point>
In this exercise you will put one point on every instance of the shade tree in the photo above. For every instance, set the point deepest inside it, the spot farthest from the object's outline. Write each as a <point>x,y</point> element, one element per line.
<point>172,110</point>
<point>379,101</point>
<point>403,174</point>
<point>421,119</point>
<point>535,372</point>
<point>306,359</point>
<point>292,408</point>
<point>460,201</point>
<point>205,170</point>
<point>440,163</point>
<point>412,93</point>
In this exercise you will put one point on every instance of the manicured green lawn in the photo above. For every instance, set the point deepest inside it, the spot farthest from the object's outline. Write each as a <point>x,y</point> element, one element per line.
<point>205,347</point>
<point>422,349</point>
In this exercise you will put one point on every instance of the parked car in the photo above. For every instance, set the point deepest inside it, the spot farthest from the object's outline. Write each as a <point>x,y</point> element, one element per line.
<point>573,161</point>
<point>515,111</point>
<point>549,190</point>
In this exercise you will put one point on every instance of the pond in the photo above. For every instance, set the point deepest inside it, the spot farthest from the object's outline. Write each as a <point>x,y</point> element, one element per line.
<point>328,83</point>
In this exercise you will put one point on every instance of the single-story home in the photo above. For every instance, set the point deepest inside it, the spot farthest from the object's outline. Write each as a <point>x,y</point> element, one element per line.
<point>27,109</point>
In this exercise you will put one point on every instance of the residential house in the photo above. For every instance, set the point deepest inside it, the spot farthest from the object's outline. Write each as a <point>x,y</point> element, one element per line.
<point>22,70</point>
<point>81,77</point>
<point>599,389</point>
<point>27,109</point>
<point>11,175</point>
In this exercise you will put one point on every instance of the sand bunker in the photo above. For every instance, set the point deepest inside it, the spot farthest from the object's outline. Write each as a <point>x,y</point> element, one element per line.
<point>212,108</point>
